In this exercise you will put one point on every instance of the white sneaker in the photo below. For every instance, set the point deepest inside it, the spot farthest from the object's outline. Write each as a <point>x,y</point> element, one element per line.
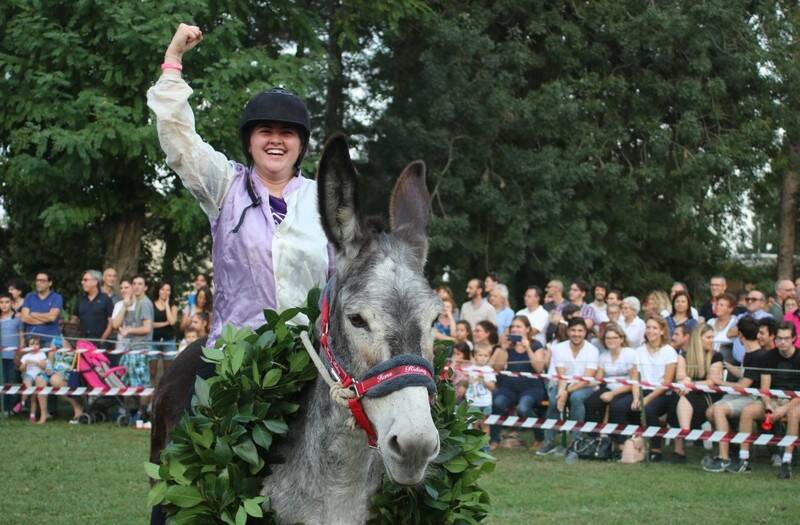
<point>776,460</point>
<point>707,444</point>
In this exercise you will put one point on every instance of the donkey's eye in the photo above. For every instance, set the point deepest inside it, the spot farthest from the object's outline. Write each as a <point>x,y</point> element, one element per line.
<point>358,321</point>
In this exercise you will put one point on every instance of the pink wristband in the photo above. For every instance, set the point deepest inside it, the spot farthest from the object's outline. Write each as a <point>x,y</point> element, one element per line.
<point>167,65</point>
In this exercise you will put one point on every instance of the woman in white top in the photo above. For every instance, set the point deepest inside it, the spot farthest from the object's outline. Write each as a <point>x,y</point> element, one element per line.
<point>656,362</point>
<point>723,322</point>
<point>619,362</point>
<point>630,322</point>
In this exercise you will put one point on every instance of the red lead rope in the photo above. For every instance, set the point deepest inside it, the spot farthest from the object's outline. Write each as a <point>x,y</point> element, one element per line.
<point>360,387</point>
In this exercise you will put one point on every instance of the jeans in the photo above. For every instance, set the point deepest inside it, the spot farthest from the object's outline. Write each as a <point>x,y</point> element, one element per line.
<point>505,398</point>
<point>575,403</point>
<point>653,411</point>
<point>10,376</point>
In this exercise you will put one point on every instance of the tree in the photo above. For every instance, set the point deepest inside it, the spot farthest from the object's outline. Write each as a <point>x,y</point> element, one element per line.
<point>602,139</point>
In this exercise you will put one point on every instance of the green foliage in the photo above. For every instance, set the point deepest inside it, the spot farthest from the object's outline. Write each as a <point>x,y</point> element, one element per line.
<point>450,493</point>
<point>213,468</point>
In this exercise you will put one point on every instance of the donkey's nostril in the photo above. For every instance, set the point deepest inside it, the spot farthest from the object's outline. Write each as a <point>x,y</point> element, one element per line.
<point>394,446</point>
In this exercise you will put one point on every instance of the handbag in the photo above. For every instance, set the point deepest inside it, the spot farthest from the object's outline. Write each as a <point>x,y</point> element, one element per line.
<point>633,450</point>
<point>589,447</point>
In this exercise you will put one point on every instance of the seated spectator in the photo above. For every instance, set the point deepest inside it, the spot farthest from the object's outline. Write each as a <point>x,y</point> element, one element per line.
<point>578,291</point>
<point>11,341</point>
<point>463,334</point>
<point>33,366</point>
<point>536,313</point>
<point>201,323</point>
<point>519,352</point>
<point>630,322</point>
<point>785,361</point>
<point>498,298</point>
<point>718,285</point>
<point>732,405</point>
<point>476,309</point>
<point>680,338</point>
<point>41,309</point>
<point>445,293</point>
<point>558,332</point>
<point>792,315</point>
<point>784,289</point>
<point>681,312</point>
<point>656,362</point>
<point>554,297</point>
<point>619,362</point>
<point>598,304</point>
<point>614,297</point>
<point>767,330</point>
<point>61,356</point>
<point>574,357</point>
<point>698,364</point>
<point>461,360</point>
<point>485,332</point>
<point>614,314</point>
<point>722,324</point>
<point>678,286</point>
<point>756,302</point>
<point>445,324</point>
<point>481,383</point>
<point>657,303</point>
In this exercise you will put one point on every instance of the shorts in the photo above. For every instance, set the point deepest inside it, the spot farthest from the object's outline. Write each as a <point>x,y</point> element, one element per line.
<point>487,411</point>
<point>736,403</point>
<point>33,378</point>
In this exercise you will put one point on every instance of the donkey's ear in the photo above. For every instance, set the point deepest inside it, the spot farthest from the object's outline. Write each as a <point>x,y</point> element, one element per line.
<point>410,209</point>
<point>338,197</point>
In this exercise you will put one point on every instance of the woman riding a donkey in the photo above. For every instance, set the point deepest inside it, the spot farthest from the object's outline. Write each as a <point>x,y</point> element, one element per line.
<point>275,235</point>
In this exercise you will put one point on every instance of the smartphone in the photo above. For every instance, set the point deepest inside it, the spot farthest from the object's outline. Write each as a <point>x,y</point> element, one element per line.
<point>514,338</point>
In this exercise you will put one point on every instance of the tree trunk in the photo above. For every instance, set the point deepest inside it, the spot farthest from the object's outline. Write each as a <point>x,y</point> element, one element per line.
<point>123,244</point>
<point>788,216</point>
<point>334,93</point>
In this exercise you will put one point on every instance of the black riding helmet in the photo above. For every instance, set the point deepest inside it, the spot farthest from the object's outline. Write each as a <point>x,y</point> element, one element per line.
<point>276,105</point>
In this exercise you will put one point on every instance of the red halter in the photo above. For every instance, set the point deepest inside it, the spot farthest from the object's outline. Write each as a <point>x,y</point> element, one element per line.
<point>379,377</point>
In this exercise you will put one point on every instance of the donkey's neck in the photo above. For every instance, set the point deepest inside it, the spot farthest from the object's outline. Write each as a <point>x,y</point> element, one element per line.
<point>330,473</point>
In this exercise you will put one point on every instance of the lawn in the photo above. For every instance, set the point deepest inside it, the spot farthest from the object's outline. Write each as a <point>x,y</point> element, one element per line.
<point>62,474</point>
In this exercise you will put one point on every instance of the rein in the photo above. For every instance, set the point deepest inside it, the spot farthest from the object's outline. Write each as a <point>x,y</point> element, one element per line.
<point>394,374</point>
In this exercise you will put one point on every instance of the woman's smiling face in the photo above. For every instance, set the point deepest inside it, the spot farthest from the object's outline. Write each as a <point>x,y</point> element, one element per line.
<point>275,148</point>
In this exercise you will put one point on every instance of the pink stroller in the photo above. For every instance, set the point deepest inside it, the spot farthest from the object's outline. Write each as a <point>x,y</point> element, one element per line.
<point>96,372</point>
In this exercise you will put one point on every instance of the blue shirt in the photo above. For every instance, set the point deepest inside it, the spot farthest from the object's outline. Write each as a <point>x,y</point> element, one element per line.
<point>738,348</point>
<point>503,319</point>
<point>43,306</point>
<point>9,335</point>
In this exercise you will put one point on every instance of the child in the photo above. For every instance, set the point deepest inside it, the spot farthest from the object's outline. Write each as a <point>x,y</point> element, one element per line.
<point>482,381</point>
<point>32,366</point>
<point>11,340</point>
<point>461,359</point>
<point>189,336</point>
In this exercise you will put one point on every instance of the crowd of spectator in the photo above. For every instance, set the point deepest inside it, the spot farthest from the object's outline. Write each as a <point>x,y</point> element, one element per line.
<point>747,340</point>
<point>37,334</point>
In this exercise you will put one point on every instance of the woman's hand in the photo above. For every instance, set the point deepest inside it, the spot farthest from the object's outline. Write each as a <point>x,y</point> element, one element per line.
<point>561,400</point>
<point>637,404</point>
<point>185,38</point>
<point>606,397</point>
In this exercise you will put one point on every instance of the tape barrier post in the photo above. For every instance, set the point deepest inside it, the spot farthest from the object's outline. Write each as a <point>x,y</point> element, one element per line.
<point>644,431</point>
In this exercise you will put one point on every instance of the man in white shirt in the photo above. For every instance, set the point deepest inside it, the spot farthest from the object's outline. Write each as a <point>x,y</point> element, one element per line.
<point>600,291</point>
<point>574,357</point>
<point>476,309</point>
<point>536,313</point>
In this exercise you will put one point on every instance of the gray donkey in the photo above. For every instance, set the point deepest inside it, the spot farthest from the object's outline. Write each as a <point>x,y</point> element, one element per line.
<point>381,306</point>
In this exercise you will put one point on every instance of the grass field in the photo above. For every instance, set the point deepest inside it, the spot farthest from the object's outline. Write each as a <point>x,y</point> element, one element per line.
<point>62,474</point>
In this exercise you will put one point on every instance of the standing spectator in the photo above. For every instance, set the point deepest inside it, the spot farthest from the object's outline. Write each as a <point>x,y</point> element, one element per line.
<point>614,313</point>
<point>459,362</point>
<point>618,363</point>
<point>445,293</point>
<point>697,364</point>
<point>536,314</point>
<point>574,357</point>
<point>678,286</point>
<point>17,290</point>
<point>121,309</point>
<point>11,341</point>
<point>200,282</point>
<point>755,310</point>
<point>614,297</point>
<point>520,352</point>
<point>482,381</point>
<point>656,363</point>
<point>722,325</point>
<point>784,289</point>
<point>792,315</point>
<point>489,283</point>
<point>788,359</point>
<point>135,325</point>
<point>498,298</point>
<point>42,309</point>
<point>93,310</point>
<point>681,312</point>
<point>732,405</point>
<point>577,296</point>
<point>718,286</point>
<point>463,333</point>
<point>476,309</point>
<point>600,291</point>
<point>109,286</point>
<point>445,324</point>
<point>203,302</point>
<point>554,297</point>
<point>165,316</point>
<point>630,322</point>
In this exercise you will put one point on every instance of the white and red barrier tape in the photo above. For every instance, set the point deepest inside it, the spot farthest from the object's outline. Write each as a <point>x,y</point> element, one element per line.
<point>139,391</point>
<point>646,432</point>
<point>116,351</point>
<point>699,387</point>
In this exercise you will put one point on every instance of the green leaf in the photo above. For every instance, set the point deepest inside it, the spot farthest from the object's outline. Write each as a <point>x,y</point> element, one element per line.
<point>253,506</point>
<point>262,437</point>
<point>201,390</point>
<point>236,354</point>
<point>182,496</point>
<point>152,470</point>
<point>298,361</point>
<point>276,426</point>
<point>241,516</point>
<point>213,354</point>
<point>266,339</point>
<point>272,377</point>
<point>156,493</point>
<point>247,451</point>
